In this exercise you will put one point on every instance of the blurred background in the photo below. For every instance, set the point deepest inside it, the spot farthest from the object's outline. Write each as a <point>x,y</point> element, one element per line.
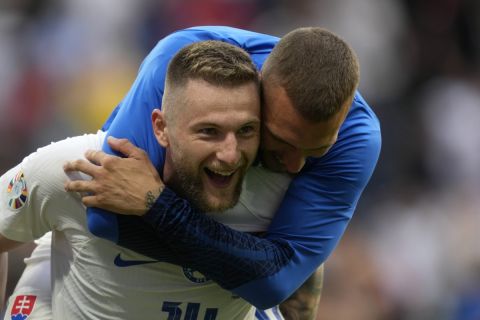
<point>412,250</point>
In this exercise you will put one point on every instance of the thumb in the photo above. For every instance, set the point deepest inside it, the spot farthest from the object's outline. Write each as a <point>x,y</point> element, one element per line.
<point>125,147</point>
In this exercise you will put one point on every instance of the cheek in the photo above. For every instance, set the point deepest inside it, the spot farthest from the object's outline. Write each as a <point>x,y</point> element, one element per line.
<point>268,142</point>
<point>249,148</point>
<point>253,149</point>
<point>273,145</point>
<point>200,153</point>
<point>191,154</point>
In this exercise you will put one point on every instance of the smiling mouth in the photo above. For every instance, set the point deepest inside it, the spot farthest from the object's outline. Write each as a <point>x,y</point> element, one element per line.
<point>220,179</point>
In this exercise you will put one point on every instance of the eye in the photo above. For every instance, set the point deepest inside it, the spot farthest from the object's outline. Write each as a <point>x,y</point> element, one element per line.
<point>246,130</point>
<point>208,131</point>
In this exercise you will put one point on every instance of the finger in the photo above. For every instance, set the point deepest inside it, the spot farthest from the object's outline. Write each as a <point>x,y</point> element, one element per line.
<point>96,157</point>
<point>82,166</point>
<point>80,186</point>
<point>91,201</point>
<point>125,147</point>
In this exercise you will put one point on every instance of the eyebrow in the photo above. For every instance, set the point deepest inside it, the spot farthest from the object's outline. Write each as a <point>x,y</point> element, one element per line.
<point>286,142</point>
<point>217,125</point>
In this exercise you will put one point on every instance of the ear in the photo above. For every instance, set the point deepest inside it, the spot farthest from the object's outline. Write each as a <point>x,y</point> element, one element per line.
<point>160,127</point>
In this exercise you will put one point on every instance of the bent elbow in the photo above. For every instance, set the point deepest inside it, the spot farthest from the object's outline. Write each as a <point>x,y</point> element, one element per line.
<point>102,224</point>
<point>264,296</point>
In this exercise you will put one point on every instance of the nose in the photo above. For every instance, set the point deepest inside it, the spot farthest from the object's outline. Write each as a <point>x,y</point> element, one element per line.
<point>229,152</point>
<point>294,160</point>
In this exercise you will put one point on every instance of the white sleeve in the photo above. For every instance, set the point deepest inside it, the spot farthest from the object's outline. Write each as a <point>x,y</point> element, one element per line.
<point>32,196</point>
<point>20,199</point>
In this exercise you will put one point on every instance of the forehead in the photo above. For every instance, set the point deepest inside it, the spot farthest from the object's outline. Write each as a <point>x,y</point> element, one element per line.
<point>201,101</point>
<point>285,123</point>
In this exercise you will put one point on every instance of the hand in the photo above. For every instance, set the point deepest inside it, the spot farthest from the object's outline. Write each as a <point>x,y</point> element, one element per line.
<point>127,186</point>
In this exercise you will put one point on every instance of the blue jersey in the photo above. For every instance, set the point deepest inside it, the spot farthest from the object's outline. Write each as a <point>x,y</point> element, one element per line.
<point>308,224</point>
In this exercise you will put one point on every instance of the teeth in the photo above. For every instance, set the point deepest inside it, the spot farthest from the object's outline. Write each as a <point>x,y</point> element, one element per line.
<point>223,173</point>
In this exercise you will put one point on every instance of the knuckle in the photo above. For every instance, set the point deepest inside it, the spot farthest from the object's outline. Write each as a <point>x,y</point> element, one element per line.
<point>87,201</point>
<point>92,156</point>
<point>142,153</point>
<point>108,162</point>
<point>91,186</point>
<point>101,198</point>
<point>75,164</point>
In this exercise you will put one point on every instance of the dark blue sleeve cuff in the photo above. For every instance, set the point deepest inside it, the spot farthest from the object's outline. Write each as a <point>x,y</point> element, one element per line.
<point>165,201</point>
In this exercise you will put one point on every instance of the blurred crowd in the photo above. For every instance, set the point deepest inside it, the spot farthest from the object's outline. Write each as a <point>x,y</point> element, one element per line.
<point>412,250</point>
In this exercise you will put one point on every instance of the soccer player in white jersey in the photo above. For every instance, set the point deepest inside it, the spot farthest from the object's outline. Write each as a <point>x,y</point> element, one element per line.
<point>95,279</point>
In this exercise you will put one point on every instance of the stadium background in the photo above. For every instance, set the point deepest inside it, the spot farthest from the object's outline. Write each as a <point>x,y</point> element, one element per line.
<point>412,250</point>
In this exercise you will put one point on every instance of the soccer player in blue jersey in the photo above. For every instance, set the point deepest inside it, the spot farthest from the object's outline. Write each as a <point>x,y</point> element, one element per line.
<point>210,84</point>
<point>316,127</point>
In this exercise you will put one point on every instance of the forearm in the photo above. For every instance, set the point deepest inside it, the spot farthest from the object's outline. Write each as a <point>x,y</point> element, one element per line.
<point>192,239</point>
<point>264,271</point>
<point>303,304</point>
<point>3,278</point>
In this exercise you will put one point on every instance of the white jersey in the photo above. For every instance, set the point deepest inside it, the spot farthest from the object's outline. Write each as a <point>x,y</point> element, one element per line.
<point>32,297</point>
<point>95,279</point>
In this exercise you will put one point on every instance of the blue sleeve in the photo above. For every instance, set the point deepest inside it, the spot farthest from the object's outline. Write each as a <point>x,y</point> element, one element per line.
<point>132,117</point>
<point>319,204</point>
<point>308,225</point>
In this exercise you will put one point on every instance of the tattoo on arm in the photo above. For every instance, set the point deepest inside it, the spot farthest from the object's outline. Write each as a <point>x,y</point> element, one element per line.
<point>151,198</point>
<point>303,303</point>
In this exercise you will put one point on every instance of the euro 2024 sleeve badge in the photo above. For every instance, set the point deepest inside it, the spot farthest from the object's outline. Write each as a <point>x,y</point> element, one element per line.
<point>17,191</point>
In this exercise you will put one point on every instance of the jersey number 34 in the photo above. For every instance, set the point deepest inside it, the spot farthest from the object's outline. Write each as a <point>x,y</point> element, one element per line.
<point>191,312</point>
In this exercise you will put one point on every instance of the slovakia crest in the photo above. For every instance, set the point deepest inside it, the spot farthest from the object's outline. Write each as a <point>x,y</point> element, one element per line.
<point>17,191</point>
<point>22,307</point>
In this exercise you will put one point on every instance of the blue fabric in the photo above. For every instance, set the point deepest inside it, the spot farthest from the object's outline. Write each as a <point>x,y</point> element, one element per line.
<point>311,219</point>
<point>229,257</point>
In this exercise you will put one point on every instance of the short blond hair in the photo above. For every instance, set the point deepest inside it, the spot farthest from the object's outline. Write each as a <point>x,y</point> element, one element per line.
<point>215,62</point>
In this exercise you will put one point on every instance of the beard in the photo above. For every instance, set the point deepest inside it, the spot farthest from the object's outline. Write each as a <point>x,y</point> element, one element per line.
<point>189,186</point>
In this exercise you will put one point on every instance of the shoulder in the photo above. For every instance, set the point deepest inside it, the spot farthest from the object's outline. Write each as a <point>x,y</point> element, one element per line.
<point>41,173</point>
<point>222,33</point>
<point>359,133</point>
<point>46,164</point>
<point>250,41</point>
<point>361,117</point>
<point>32,196</point>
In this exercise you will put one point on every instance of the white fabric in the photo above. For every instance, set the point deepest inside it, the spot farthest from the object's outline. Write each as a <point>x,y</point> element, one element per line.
<point>86,282</point>
<point>35,281</point>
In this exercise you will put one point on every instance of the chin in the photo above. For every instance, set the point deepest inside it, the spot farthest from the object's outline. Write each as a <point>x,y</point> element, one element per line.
<point>219,204</point>
<point>274,166</point>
